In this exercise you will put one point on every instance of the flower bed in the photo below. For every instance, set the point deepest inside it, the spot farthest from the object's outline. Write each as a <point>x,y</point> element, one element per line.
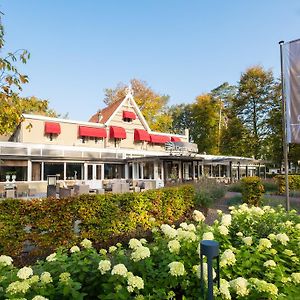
<point>259,260</point>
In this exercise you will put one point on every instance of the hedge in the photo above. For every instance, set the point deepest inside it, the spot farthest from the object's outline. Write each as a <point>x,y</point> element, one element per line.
<point>252,190</point>
<point>42,225</point>
<point>294,182</point>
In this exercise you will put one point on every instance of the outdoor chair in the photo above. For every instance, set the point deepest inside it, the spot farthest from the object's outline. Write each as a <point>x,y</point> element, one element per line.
<point>81,189</point>
<point>22,189</point>
<point>65,192</point>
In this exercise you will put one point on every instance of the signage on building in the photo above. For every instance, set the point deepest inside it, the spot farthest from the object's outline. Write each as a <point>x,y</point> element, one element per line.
<point>181,147</point>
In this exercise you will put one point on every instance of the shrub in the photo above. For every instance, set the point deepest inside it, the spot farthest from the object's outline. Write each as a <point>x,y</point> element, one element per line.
<point>235,187</point>
<point>294,182</point>
<point>259,259</point>
<point>270,186</point>
<point>252,190</point>
<point>42,225</point>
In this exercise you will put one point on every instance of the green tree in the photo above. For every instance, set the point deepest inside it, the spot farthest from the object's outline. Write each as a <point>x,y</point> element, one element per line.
<point>205,131</point>
<point>152,104</point>
<point>253,104</point>
<point>181,115</point>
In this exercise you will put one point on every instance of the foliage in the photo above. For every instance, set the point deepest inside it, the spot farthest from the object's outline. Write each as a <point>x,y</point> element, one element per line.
<point>235,187</point>
<point>259,259</point>
<point>205,133</point>
<point>252,190</point>
<point>207,192</point>
<point>270,186</point>
<point>49,223</point>
<point>151,104</point>
<point>294,182</point>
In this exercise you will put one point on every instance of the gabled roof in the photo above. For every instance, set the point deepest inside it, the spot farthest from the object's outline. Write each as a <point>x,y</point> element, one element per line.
<point>103,115</point>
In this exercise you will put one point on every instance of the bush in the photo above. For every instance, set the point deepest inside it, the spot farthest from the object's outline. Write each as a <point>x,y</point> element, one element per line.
<point>294,183</point>
<point>235,187</point>
<point>252,190</point>
<point>270,186</point>
<point>259,259</point>
<point>42,225</point>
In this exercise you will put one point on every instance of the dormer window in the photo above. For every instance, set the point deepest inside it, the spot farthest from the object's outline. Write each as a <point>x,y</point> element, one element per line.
<point>128,116</point>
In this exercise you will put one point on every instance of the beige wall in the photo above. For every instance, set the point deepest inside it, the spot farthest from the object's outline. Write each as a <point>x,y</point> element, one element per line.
<point>32,131</point>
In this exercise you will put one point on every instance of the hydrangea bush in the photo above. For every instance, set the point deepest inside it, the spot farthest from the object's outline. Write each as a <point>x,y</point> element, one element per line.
<point>259,259</point>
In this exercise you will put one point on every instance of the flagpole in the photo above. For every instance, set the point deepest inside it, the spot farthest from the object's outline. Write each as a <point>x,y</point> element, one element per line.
<point>284,127</point>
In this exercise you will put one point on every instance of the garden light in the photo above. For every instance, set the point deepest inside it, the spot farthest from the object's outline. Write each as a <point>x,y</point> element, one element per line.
<point>210,249</point>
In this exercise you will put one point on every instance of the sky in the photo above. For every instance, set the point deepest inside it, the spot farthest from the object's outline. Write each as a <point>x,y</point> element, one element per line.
<point>180,48</point>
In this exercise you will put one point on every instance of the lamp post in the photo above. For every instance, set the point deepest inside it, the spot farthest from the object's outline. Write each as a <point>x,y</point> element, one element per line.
<point>210,249</point>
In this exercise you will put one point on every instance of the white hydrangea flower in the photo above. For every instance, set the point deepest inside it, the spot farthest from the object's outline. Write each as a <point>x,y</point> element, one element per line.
<point>174,246</point>
<point>17,287</point>
<point>264,244</point>
<point>282,238</point>
<point>208,236</point>
<point>64,277</point>
<point>87,244</point>
<point>74,249</point>
<point>112,249</point>
<point>143,241</point>
<point>198,216</point>
<point>176,268</point>
<point>227,258</point>
<point>38,297</point>
<point>134,282</point>
<point>247,240</point>
<point>197,271</point>
<point>240,286</point>
<point>240,234</point>
<point>25,273</point>
<point>219,212</point>
<point>272,236</point>
<point>297,226</point>
<point>103,251</point>
<point>140,253</point>
<point>46,277</point>
<point>257,210</point>
<point>51,257</point>
<point>296,277</point>
<point>264,287</point>
<point>119,269</point>
<point>33,279</point>
<point>184,225</point>
<point>104,266</point>
<point>288,252</point>
<point>289,223</point>
<point>270,263</point>
<point>226,220</point>
<point>191,227</point>
<point>169,232</point>
<point>224,289</point>
<point>134,243</point>
<point>186,235</point>
<point>223,230</point>
<point>5,260</point>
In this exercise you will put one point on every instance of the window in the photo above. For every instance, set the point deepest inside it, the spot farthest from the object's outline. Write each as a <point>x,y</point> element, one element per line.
<point>113,171</point>
<point>128,120</point>
<point>53,169</point>
<point>74,171</point>
<point>10,168</point>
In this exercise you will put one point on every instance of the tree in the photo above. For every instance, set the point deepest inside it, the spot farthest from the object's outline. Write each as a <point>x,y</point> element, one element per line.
<point>181,116</point>
<point>205,131</point>
<point>151,104</point>
<point>253,104</point>
<point>11,81</point>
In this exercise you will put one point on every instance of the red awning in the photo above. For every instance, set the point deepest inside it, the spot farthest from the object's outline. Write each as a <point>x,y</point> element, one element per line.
<point>175,139</point>
<point>159,139</point>
<point>141,135</point>
<point>92,132</point>
<point>116,132</point>
<point>129,115</point>
<point>51,127</point>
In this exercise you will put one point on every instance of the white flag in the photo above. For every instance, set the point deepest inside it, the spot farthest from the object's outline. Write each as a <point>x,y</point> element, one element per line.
<point>291,86</point>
